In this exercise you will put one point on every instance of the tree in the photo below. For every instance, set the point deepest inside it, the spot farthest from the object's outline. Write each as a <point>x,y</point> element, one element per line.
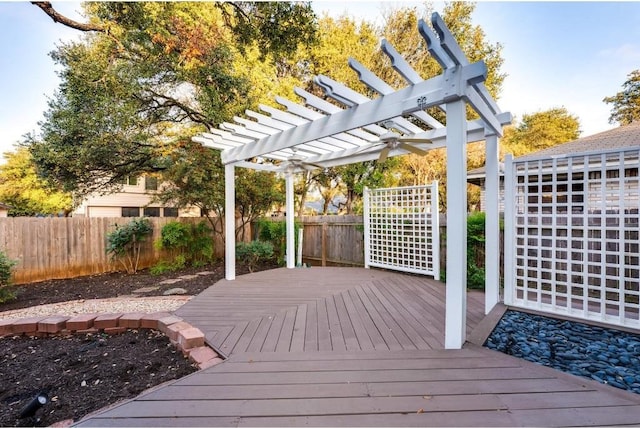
<point>195,177</point>
<point>28,194</point>
<point>400,31</point>
<point>540,130</point>
<point>626,103</point>
<point>355,177</point>
<point>146,69</point>
<point>260,191</point>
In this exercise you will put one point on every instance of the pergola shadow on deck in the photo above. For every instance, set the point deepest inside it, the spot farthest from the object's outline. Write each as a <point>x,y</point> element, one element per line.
<point>357,347</point>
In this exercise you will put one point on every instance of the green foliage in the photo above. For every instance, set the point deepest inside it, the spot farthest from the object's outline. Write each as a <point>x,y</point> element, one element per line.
<point>196,178</point>
<point>159,73</point>
<point>625,105</point>
<point>190,244</point>
<point>275,232</point>
<point>541,130</point>
<point>260,192</point>
<point>475,251</point>
<point>6,266</point>
<point>179,262</point>
<point>125,242</point>
<point>25,192</point>
<point>252,253</point>
<point>355,177</point>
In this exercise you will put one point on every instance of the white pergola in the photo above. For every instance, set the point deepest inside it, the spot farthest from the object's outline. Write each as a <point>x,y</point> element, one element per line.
<point>354,128</point>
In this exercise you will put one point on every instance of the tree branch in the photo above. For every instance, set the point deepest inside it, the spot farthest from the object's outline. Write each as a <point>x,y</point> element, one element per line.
<point>59,18</point>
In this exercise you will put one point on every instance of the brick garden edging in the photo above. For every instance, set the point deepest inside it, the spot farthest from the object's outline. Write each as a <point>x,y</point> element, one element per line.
<point>188,339</point>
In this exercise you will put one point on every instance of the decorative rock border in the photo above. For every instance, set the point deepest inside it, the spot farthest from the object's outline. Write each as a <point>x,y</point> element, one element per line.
<point>188,339</point>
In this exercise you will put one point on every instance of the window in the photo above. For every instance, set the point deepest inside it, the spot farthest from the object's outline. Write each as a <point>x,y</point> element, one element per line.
<point>130,212</point>
<point>151,183</point>
<point>170,212</point>
<point>129,180</point>
<point>151,212</point>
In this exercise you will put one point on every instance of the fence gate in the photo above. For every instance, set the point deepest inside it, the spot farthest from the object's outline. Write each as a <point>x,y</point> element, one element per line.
<point>572,244</point>
<point>401,229</point>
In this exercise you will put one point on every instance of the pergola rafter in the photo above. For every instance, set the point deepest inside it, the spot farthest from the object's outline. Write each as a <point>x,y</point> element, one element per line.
<point>354,128</point>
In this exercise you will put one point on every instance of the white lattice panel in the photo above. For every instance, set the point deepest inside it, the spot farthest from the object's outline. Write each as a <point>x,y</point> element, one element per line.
<point>576,236</point>
<point>402,229</point>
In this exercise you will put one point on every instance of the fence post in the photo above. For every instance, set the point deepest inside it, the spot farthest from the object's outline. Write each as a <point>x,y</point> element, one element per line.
<point>435,227</point>
<point>365,218</point>
<point>325,228</point>
<point>509,212</point>
<point>492,225</point>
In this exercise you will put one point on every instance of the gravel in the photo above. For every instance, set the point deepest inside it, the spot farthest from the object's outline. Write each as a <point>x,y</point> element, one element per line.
<point>90,306</point>
<point>605,355</point>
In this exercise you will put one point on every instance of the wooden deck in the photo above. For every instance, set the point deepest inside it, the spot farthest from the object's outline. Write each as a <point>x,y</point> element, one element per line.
<point>356,347</point>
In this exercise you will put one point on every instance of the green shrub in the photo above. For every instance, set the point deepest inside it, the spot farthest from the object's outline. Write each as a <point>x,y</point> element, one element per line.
<point>179,262</point>
<point>254,252</point>
<point>275,232</point>
<point>187,244</point>
<point>475,251</point>
<point>6,266</point>
<point>124,244</point>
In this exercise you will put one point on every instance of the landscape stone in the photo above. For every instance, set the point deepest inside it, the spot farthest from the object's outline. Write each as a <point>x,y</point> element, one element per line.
<point>170,281</point>
<point>145,290</point>
<point>602,354</point>
<point>174,291</point>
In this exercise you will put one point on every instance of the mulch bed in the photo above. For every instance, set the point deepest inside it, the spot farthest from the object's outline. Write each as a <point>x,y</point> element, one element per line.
<point>84,373</point>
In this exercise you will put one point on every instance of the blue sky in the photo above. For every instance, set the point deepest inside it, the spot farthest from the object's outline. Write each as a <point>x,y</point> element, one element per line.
<point>570,54</point>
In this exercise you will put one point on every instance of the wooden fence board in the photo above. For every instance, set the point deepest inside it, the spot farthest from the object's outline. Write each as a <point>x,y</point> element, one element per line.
<point>50,248</point>
<point>55,248</point>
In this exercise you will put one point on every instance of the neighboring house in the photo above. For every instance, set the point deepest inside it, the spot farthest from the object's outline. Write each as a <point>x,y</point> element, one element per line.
<point>134,200</point>
<point>4,210</point>
<point>621,138</point>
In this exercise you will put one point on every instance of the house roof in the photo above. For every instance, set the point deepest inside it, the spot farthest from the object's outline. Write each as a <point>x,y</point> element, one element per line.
<point>617,138</point>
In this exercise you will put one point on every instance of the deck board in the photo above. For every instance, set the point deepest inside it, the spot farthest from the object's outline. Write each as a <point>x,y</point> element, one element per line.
<point>356,347</point>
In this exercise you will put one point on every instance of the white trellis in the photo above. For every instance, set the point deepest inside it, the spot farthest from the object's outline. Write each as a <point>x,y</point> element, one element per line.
<point>575,235</point>
<point>346,127</point>
<point>401,229</point>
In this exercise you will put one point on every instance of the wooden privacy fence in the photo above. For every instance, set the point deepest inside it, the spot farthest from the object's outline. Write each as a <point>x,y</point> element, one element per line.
<point>53,248</point>
<point>339,240</point>
<point>333,240</point>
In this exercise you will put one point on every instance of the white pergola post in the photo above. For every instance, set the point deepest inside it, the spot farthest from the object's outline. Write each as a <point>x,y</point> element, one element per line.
<point>290,221</point>
<point>456,289</point>
<point>492,225</point>
<point>509,231</point>
<point>230,221</point>
<point>367,227</point>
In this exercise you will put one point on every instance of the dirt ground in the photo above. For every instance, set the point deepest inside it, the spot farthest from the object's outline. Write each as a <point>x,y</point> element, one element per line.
<point>84,373</point>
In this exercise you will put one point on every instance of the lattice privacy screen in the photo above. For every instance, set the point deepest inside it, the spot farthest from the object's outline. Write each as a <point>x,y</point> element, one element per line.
<point>401,229</point>
<point>576,236</point>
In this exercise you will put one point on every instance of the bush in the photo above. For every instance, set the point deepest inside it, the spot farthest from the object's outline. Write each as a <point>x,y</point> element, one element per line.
<point>6,266</point>
<point>475,251</point>
<point>252,253</point>
<point>125,243</point>
<point>186,243</point>
<point>275,232</point>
